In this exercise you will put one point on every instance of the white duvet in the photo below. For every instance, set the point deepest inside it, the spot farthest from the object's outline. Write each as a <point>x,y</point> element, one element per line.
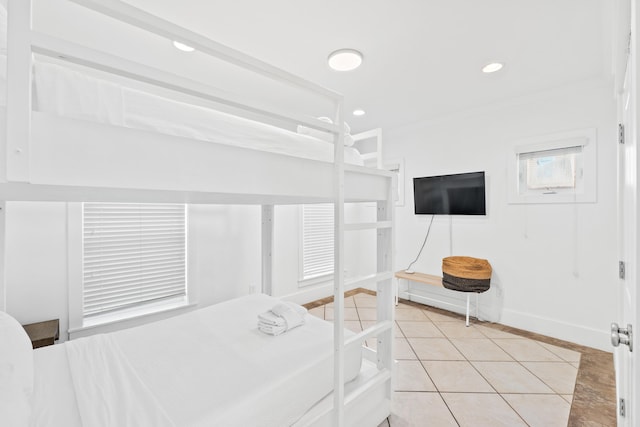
<point>211,367</point>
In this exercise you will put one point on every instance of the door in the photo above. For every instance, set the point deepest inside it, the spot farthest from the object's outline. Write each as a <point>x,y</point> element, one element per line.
<point>626,361</point>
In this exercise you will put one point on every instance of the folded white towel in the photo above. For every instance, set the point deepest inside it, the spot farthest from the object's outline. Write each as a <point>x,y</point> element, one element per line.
<point>271,329</point>
<point>281,318</point>
<point>285,305</point>
<point>292,316</point>
<point>270,318</point>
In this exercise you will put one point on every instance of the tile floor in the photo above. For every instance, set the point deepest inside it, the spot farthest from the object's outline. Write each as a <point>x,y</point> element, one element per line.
<point>448,374</point>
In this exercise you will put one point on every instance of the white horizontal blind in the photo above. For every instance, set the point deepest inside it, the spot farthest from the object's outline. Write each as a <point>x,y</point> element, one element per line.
<point>317,240</point>
<point>133,254</point>
<point>551,168</point>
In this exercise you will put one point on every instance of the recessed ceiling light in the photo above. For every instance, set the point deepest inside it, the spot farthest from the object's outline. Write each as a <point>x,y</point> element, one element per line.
<point>183,47</point>
<point>492,68</point>
<point>345,59</point>
<point>359,112</point>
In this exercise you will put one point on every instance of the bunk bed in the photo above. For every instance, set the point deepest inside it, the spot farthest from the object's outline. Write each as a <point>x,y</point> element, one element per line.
<point>107,156</point>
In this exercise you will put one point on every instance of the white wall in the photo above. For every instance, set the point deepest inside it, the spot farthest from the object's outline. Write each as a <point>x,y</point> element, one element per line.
<point>360,253</point>
<point>224,257</point>
<point>554,265</point>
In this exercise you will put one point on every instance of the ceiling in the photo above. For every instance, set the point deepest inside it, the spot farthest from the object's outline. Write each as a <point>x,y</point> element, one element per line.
<point>422,58</point>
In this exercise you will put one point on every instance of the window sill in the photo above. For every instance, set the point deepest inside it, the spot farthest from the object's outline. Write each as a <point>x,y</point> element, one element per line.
<point>134,314</point>
<point>325,278</point>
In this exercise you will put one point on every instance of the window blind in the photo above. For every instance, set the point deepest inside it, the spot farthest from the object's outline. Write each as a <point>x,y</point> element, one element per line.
<point>133,254</point>
<point>550,169</point>
<point>317,240</point>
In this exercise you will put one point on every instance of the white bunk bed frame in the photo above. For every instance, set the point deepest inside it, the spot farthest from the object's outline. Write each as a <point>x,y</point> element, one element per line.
<point>50,158</point>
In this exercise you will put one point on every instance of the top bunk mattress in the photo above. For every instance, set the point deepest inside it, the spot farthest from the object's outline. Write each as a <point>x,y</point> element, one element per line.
<point>67,92</point>
<point>208,367</point>
<point>70,93</point>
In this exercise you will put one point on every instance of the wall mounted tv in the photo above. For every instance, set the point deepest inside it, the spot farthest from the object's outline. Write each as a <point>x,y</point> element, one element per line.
<point>459,194</point>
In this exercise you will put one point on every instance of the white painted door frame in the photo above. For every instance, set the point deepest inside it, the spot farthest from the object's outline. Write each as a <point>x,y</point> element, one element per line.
<point>626,361</point>
<point>3,287</point>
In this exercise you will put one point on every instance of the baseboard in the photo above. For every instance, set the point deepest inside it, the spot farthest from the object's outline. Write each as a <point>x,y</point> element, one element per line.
<point>456,303</point>
<point>578,334</point>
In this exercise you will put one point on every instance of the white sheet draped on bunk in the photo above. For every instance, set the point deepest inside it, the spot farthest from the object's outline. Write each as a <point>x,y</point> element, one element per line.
<point>208,367</point>
<point>99,371</point>
<point>69,93</point>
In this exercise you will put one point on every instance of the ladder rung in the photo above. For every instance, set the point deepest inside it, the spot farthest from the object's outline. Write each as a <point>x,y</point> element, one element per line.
<point>370,332</point>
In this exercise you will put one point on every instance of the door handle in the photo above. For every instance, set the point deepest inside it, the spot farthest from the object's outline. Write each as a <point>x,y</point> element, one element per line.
<point>621,336</point>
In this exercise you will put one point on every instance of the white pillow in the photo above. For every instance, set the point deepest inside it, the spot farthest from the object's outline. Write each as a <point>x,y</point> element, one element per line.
<point>16,372</point>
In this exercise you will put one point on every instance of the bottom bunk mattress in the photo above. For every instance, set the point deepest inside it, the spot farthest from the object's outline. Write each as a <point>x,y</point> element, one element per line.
<point>205,368</point>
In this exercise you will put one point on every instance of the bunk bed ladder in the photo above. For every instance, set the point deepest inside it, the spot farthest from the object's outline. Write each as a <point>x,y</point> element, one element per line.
<point>385,301</point>
<point>338,274</point>
<point>385,293</point>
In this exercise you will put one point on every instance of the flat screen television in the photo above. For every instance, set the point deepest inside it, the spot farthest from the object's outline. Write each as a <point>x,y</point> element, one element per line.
<point>459,194</point>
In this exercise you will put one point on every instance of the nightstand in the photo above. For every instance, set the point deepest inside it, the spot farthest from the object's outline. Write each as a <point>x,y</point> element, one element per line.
<point>43,333</point>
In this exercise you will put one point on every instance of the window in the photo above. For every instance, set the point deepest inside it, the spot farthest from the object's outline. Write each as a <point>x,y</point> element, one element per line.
<point>559,168</point>
<point>550,170</point>
<point>133,257</point>
<point>317,242</point>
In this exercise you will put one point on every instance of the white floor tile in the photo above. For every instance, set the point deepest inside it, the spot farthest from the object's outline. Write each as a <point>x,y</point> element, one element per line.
<point>526,350</point>
<point>540,410</point>
<point>412,314</point>
<point>437,317</point>
<point>480,349</point>
<point>413,329</point>
<point>482,410</point>
<point>560,376</point>
<point>411,376</point>
<point>458,330</point>
<point>564,353</point>
<point>495,333</point>
<point>511,377</point>
<point>435,349</point>
<point>350,313</point>
<point>402,350</point>
<point>419,409</point>
<point>440,360</point>
<point>456,376</point>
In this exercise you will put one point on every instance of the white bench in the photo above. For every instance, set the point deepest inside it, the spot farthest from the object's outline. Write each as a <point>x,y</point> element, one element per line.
<point>433,280</point>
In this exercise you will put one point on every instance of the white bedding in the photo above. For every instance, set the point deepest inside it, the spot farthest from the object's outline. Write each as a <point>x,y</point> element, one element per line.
<point>54,399</point>
<point>70,93</point>
<point>67,92</point>
<point>205,368</point>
